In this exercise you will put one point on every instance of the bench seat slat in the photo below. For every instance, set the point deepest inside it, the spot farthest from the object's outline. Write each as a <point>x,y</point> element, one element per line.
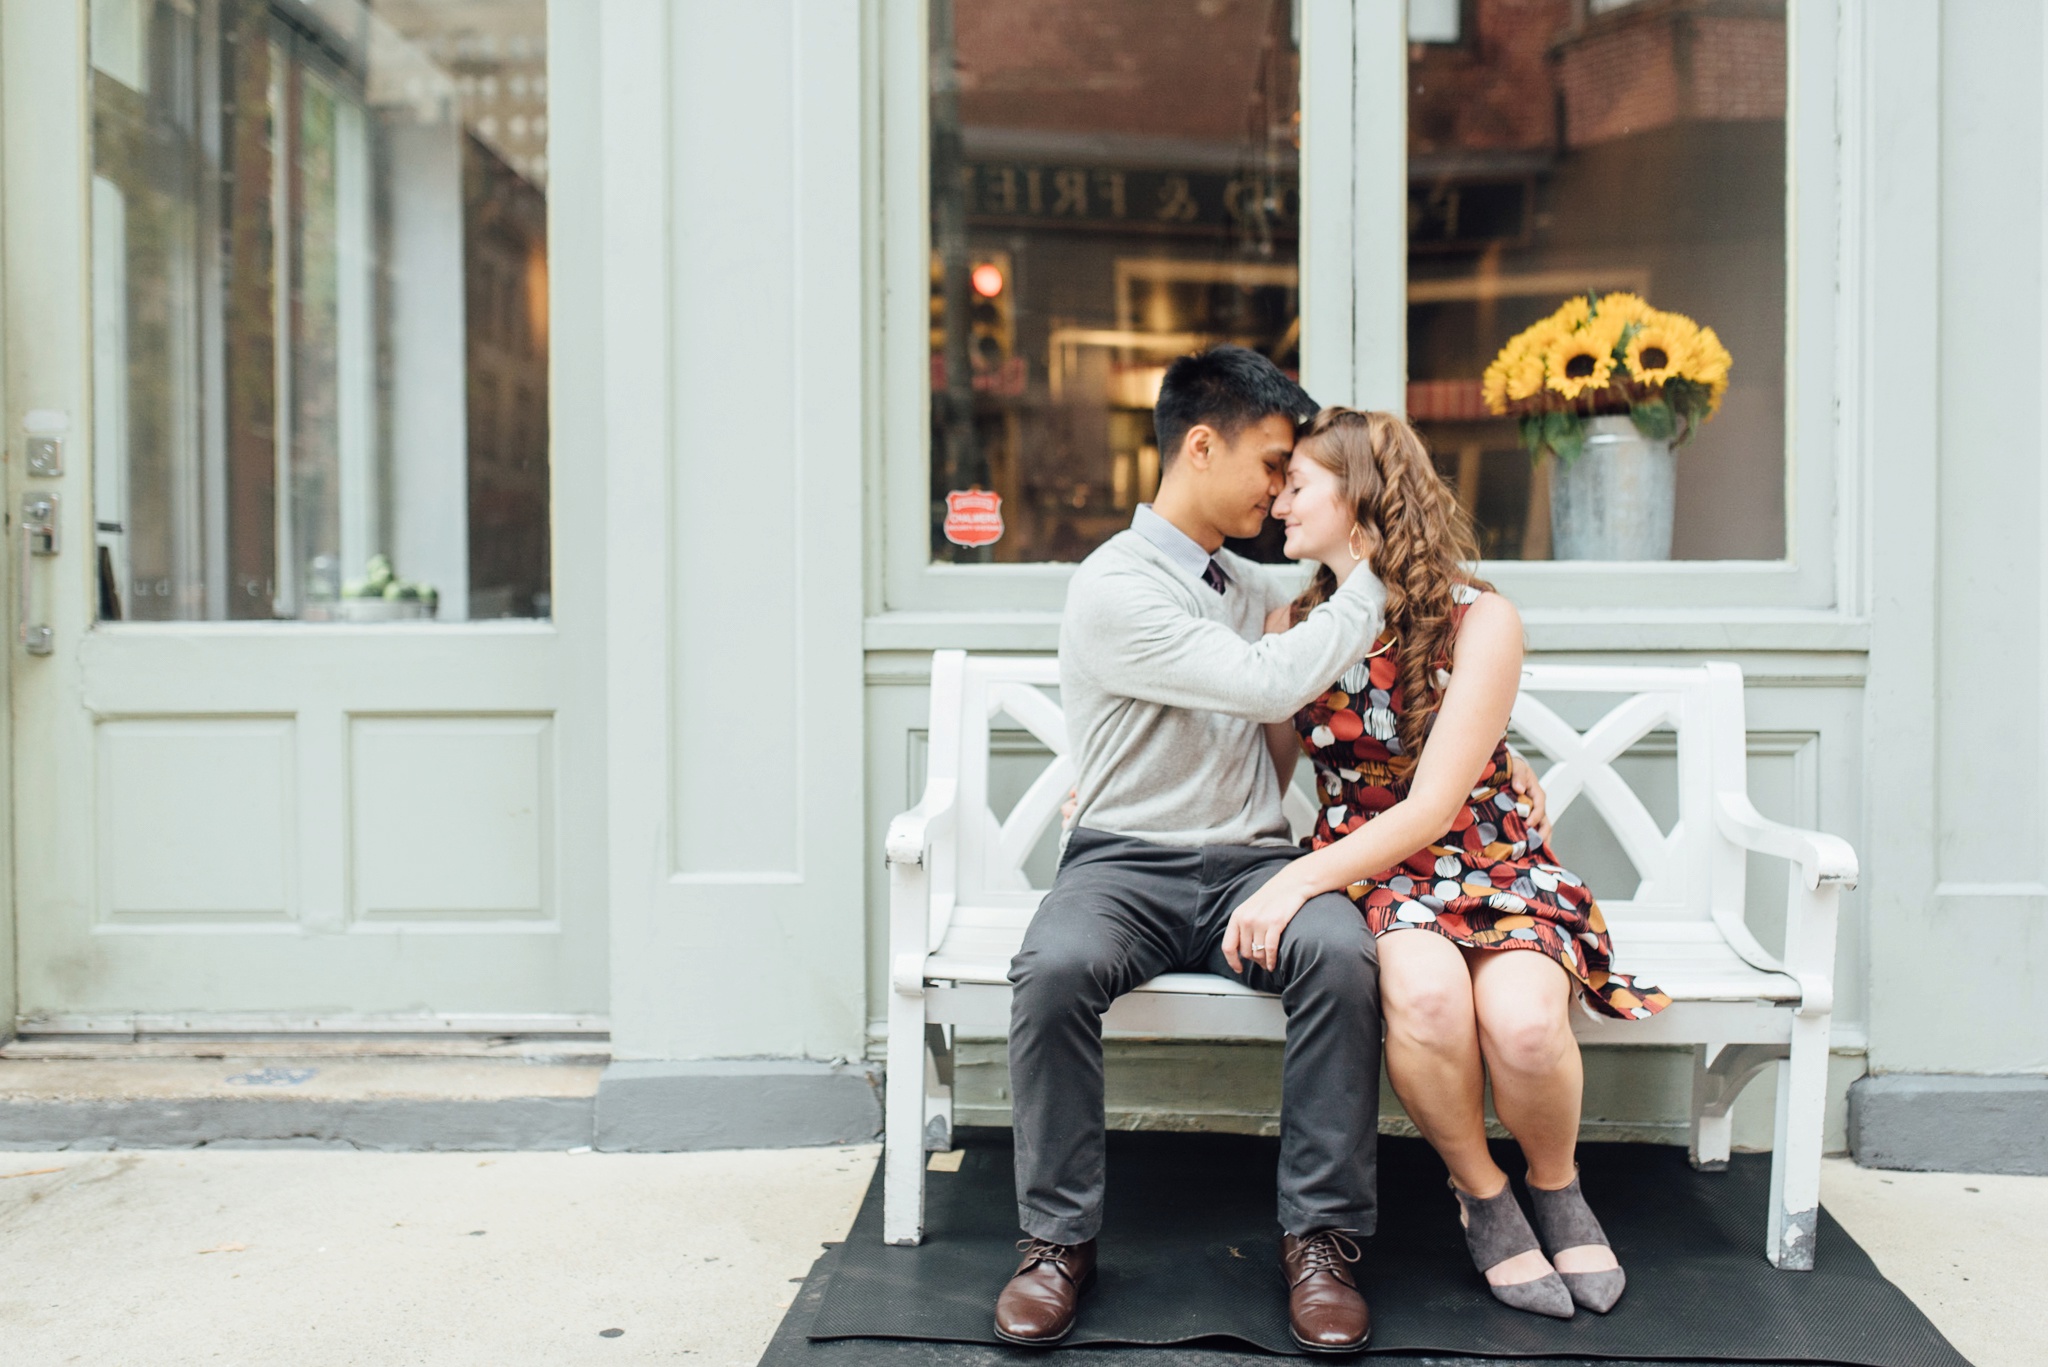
<point>1688,975</point>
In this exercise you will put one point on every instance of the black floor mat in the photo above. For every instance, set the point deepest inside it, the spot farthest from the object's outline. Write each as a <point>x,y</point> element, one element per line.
<point>1190,1249</point>
<point>792,1348</point>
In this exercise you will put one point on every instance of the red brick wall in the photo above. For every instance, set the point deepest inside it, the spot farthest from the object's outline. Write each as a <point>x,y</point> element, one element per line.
<point>1158,68</point>
<point>1494,94</point>
<point>1630,73</point>
<point>1738,69</point>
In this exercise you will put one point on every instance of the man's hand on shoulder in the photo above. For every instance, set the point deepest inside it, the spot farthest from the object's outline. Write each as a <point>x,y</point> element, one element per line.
<point>1280,619</point>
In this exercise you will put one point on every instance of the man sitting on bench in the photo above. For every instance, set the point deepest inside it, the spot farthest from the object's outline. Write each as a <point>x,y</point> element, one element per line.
<point>1166,676</point>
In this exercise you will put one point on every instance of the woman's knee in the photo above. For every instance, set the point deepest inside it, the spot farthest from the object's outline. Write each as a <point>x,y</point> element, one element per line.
<point>1529,1036</point>
<point>1428,1006</point>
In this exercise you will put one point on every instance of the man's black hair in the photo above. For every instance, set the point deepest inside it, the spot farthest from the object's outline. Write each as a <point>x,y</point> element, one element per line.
<point>1227,388</point>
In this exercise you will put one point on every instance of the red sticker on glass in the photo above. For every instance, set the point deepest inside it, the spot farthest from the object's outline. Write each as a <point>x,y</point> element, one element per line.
<point>974,517</point>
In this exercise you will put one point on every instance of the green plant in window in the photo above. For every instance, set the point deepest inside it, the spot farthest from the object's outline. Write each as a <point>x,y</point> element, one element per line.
<point>381,581</point>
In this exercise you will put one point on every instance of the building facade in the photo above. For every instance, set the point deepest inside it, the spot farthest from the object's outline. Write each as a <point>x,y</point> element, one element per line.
<point>511,461</point>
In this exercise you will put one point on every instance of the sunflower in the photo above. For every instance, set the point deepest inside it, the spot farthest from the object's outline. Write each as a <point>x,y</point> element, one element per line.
<point>1508,378</point>
<point>1572,313</point>
<point>1709,364</point>
<point>1493,385</point>
<point>1658,352</point>
<point>1578,361</point>
<point>1525,376</point>
<point>1536,338</point>
<point>1629,308</point>
<point>1609,328</point>
<point>1707,361</point>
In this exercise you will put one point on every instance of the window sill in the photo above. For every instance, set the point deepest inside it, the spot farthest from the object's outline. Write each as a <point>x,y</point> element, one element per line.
<point>1555,630</point>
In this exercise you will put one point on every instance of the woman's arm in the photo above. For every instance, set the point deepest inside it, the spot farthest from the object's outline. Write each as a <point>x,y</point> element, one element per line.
<point>1486,671</point>
<point>1134,638</point>
<point>1283,743</point>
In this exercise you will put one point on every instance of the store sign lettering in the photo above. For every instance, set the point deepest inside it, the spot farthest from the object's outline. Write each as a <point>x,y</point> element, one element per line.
<point>1096,196</point>
<point>1448,214</point>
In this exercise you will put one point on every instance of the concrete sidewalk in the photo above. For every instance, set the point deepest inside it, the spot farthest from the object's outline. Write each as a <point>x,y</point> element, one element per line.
<point>330,1259</point>
<point>258,1258</point>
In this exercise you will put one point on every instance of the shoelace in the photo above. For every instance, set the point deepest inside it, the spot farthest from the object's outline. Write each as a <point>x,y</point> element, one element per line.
<point>1045,1251</point>
<point>1328,1250</point>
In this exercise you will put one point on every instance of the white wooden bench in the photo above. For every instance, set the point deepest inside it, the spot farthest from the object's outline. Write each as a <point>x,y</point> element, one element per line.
<point>959,902</point>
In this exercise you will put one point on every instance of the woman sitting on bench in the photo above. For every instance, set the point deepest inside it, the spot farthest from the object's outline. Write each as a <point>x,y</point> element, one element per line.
<point>1417,821</point>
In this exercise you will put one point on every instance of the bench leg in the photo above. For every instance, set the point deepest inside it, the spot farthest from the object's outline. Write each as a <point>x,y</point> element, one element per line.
<point>1795,1153</point>
<point>938,1088</point>
<point>1712,1123</point>
<point>1719,1073</point>
<point>904,1118</point>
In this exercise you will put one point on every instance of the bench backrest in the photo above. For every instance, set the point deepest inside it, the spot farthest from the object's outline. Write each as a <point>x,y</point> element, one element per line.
<point>1689,872</point>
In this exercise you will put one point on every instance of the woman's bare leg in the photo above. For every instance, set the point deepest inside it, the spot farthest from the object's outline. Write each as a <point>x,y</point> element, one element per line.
<point>1433,1060</point>
<point>1522,1000</point>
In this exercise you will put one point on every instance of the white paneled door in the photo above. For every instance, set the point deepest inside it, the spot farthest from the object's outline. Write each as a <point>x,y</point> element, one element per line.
<point>308,725</point>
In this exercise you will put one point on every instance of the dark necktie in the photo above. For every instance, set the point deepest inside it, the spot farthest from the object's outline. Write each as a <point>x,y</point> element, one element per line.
<point>1213,576</point>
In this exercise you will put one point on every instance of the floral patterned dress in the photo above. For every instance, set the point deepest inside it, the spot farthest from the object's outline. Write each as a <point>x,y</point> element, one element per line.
<point>1485,884</point>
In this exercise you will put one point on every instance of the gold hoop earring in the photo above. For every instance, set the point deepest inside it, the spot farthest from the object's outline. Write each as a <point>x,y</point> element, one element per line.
<point>1351,543</point>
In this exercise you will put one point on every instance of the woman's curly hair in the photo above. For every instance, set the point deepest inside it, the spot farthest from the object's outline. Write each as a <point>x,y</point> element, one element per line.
<point>1426,543</point>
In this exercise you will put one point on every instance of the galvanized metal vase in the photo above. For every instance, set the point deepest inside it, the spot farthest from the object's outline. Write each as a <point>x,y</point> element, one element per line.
<point>1615,501</point>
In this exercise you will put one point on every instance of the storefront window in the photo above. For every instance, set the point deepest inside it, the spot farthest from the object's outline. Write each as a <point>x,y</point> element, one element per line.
<point>1561,146</point>
<point>1111,185</point>
<point>320,309</point>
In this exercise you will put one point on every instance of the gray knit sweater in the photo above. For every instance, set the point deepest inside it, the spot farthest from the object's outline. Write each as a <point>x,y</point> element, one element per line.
<point>1165,683</point>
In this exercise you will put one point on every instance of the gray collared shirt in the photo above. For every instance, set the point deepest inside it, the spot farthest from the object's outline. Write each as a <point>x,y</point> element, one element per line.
<point>1182,549</point>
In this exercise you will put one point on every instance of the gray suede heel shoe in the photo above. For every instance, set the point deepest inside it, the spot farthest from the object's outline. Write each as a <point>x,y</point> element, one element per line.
<point>1495,1231</point>
<point>1566,1221</point>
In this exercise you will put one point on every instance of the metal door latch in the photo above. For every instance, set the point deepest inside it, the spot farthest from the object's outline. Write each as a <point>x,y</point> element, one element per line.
<point>38,538</point>
<point>39,523</point>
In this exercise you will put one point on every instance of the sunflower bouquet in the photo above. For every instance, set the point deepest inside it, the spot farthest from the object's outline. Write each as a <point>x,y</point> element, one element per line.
<point>1607,353</point>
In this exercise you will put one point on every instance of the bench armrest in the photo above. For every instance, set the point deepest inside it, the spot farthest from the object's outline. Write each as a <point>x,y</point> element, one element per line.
<point>1822,866</point>
<point>911,833</point>
<point>1823,860</point>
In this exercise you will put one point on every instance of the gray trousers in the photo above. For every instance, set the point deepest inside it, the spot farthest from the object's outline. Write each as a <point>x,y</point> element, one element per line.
<point>1122,911</point>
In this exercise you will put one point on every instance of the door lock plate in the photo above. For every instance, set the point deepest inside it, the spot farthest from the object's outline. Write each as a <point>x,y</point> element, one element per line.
<point>46,456</point>
<point>39,523</point>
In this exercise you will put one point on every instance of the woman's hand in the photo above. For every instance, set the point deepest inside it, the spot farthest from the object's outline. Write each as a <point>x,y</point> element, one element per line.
<point>1068,807</point>
<point>1258,923</point>
<point>1522,778</point>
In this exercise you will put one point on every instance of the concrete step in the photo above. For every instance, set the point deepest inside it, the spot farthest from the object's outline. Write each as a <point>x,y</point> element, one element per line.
<point>296,1098</point>
<point>531,1048</point>
<point>432,1094</point>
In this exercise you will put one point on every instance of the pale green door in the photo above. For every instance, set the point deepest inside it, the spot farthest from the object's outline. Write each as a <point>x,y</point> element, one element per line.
<point>306,693</point>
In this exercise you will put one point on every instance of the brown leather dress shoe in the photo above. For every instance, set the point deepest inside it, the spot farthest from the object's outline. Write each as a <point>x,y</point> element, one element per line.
<point>1042,1297</point>
<point>1325,1311</point>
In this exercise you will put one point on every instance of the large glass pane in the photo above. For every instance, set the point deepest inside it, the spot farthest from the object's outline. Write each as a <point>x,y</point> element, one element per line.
<point>1563,146</point>
<point>319,254</point>
<point>1113,183</point>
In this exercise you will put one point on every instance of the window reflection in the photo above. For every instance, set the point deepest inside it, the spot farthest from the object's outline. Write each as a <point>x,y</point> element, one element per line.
<point>1557,146</point>
<point>1113,184</point>
<point>319,253</point>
